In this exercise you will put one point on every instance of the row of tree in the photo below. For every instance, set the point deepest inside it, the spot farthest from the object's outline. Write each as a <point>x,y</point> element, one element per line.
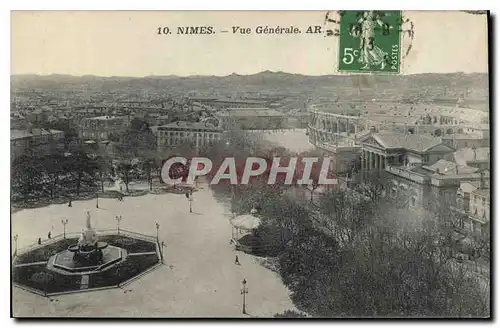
<point>362,252</point>
<point>355,256</point>
<point>82,168</point>
<point>53,175</point>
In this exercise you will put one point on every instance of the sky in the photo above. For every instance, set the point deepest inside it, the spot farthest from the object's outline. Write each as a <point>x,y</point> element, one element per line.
<point>126,43</point>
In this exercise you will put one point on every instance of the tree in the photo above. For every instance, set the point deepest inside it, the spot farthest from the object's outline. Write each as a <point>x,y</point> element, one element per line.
<point>137,140</point>
<point>26,177</point>
<point>52,168</point>
<point>103,169</point>
<point>367,260</point>
<point>67,126</point>
<point>344,213</point>
<point>151,168</point>
<point>82,167</point>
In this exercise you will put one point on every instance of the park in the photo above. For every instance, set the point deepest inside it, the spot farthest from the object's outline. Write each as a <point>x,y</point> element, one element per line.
<point>198,278</point>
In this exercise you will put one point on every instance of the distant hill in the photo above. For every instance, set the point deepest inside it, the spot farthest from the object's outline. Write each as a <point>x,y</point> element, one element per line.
<point>266,79</point>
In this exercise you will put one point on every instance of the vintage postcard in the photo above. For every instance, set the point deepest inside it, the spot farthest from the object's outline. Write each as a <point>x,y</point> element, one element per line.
<point>260,164</point>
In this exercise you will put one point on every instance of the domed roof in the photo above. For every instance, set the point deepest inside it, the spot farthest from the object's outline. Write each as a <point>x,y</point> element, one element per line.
<point>246,222</point>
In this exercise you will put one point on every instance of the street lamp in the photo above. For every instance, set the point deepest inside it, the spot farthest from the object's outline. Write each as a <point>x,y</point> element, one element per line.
<point>15,243</point>
<point>157,229</point>
<point>189,196</point>
<point>64,222</point>
<point>161,253</point>
<point>118,219</point>
<point>244,291</point>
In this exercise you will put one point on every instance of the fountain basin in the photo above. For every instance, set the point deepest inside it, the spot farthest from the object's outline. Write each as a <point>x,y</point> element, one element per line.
<point>65,261</point>
<point>100,245</point>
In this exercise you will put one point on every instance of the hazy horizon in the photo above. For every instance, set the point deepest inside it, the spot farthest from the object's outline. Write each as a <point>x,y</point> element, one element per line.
<point>227,75</point>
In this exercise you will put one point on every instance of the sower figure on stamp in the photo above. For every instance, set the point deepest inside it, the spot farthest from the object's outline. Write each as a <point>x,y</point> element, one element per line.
<point>370,54</point>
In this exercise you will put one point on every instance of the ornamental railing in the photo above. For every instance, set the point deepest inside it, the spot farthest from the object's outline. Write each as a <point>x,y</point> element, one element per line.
<point>70,235</point>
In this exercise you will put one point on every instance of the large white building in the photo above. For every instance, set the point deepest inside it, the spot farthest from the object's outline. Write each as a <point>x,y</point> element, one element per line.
<point>174,134</point>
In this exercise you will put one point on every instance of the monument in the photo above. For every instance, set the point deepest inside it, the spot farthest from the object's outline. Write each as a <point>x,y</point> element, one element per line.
<point>88,250</point>
<point>85,261</point>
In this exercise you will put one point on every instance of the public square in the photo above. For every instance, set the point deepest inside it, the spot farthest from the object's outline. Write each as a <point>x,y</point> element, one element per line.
<point>199,278</point>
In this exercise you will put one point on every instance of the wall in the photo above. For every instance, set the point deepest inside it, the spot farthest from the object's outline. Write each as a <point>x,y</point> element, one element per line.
<point>482,205</point>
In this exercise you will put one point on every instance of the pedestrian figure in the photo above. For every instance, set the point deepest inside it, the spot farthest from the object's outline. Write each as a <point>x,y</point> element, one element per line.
<point>237,261</point>
<point>39,240</point>
<point>49,235</point>
<point>69,204</point>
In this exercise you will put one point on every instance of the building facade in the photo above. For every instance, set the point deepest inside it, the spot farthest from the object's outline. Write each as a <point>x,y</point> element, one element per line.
<point>458,141</point>
<point>100,128</point>
<point>225,104</point>
<point>35,142</point>
<point>480,210</point>
<point>251,119</point>
<point>473,204</point>
<point>178,133</point>
<point>383,149</point>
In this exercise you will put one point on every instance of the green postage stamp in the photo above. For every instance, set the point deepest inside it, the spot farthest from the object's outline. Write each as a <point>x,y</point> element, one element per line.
<point>370,42</point>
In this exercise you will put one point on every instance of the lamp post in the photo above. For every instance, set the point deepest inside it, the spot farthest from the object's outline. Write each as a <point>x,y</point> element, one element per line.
<point>64,222</point>
<point>97,201</point>
<point>15,244</point>
<point>157,229</point>
<point>118,219</point>
<point>189,196</point>
<point>244,291</point>
<point>161,253</point>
